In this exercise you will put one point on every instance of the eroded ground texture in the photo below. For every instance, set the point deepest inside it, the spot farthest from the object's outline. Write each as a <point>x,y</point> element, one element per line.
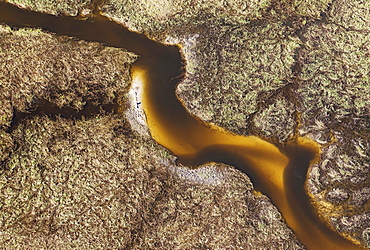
<point>263,67</point>
<point>93,182</point>
<point>278,69</point>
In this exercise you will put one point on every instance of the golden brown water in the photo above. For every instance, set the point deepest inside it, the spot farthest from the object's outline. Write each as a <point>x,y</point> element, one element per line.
<point>279,173</point>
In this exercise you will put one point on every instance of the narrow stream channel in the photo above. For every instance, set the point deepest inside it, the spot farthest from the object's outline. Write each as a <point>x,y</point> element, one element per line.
<point>280,173</point>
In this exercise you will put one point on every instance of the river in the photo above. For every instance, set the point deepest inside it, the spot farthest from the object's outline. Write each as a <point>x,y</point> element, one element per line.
<point>278,171</point>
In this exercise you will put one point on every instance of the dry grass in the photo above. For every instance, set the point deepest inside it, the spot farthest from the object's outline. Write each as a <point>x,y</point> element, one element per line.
<point>38,66</point>
<point>95,184</point>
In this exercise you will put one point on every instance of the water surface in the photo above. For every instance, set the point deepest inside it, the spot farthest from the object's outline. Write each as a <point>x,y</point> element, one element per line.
<point>279,171</point>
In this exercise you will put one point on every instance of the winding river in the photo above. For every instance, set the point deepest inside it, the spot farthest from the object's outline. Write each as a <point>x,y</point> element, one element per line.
<point>279,171</point>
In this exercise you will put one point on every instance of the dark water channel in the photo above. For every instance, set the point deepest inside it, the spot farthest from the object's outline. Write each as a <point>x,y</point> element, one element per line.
<point>278,172</point>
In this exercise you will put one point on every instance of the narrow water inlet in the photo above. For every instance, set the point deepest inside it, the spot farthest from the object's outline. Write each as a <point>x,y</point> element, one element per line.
<point>278,173</point>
